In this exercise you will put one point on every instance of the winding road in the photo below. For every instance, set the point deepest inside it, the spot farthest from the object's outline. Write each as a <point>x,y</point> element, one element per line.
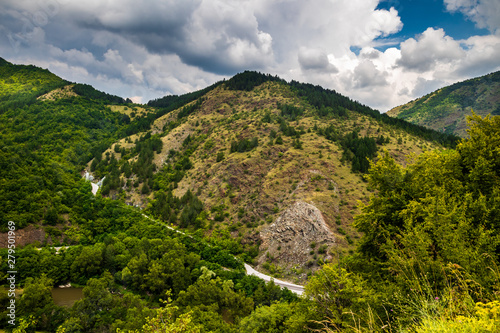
<point>249,269</point>
<point>283,284</point>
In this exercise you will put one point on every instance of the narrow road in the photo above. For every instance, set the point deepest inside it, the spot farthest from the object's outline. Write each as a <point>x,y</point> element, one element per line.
<point>249,269</point>
<point>283,284</point>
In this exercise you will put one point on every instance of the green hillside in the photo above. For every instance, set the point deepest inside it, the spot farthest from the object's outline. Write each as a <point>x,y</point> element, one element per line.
<point>46,142</point>
<point>21,85</point>
<point>446,109</point>
<point>390,226</point>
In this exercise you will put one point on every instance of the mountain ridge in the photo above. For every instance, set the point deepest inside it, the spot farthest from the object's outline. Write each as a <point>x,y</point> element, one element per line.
<point>447,108</point>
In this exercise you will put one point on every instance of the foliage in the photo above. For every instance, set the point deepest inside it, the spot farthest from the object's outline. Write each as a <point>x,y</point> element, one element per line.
<point>190,108</point>
<point>172,102</point>
<point>44,147</point>
<point>88,91</point>
<point>485,319</point>
<point>37,306</point>
<point>338,294</point>
<point>290,111</point>
<point>20,85</point>
<point>165,321</point>
<point>357,150</point>
<point>211,293</point>
<point>447,108</point>
<point>248,80</point>
<point>331,103</point>
<point>276,318</point>
<point>437,206</point>
<point>244,145</point>
<point>432,229</point>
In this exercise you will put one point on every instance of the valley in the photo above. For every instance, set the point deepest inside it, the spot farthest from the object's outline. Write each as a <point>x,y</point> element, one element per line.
<point>253,205</point>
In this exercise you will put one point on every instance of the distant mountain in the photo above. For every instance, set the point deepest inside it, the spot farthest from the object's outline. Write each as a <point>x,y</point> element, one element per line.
<point>446,109</point>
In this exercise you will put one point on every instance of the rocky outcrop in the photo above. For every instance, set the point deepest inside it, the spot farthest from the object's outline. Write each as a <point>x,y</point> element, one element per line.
<point>288,240</point>
<point>28,235</point>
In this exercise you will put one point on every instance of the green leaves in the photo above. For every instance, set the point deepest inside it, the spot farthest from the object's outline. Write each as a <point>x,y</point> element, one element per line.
<point>440,209</point>
<point>339,295</point>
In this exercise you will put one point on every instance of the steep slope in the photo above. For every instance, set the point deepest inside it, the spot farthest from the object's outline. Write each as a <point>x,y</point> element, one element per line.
<point>446,109</point>
<point>49,130</point>
<point>236,161</point>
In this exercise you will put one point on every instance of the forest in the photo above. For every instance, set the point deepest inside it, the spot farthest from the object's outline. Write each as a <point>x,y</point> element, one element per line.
<point>427,258</point>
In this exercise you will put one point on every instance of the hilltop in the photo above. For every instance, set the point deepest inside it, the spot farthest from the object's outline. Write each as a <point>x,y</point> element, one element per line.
<point>446,109</point>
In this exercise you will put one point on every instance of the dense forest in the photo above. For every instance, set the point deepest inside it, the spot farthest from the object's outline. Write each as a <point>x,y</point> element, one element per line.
<point>427,257</point>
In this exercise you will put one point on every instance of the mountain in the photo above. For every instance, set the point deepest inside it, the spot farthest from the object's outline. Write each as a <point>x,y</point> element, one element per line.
<point>49,129</point>
<point>254,170</point>
<point>277,166</point>
<point>446,109</point>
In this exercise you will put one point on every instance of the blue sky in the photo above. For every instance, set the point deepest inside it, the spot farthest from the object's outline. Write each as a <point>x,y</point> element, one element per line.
<point>381,53</point>
<point>418,15</point>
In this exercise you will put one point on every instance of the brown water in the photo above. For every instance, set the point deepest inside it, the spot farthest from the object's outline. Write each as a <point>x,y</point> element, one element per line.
<point>67,296</point>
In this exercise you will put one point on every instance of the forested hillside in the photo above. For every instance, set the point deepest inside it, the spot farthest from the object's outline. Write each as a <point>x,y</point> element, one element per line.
<point>446,109</point>
<point>389,225</point>
<point>46,143</point>
<point>241,153</point>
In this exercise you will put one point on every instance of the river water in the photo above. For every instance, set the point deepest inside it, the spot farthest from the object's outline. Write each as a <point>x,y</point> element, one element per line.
<point>67,296</point>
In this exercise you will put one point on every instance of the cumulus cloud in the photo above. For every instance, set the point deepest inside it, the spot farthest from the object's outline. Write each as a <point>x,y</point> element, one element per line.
<point>485,13</point>
<point>482,56</point>
<point>367,75</point>
<point>428,49</point>
<point>316,60</point>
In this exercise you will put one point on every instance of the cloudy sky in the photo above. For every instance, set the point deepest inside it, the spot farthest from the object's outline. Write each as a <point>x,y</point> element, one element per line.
<point>382,53</point>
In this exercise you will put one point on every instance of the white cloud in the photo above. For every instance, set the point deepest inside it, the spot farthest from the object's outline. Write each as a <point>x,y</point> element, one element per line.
<point>315,60</point>
<point>367,75</point>
<point>486,13</point>
<point>430,48</point>
<point>482,55</point>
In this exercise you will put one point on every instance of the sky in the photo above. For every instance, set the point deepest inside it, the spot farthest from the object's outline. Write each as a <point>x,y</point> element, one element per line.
<point>382,53</point>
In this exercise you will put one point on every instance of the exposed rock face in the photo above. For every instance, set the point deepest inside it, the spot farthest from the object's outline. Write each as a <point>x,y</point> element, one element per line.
<point>25,236</point>
<point>293,232</point>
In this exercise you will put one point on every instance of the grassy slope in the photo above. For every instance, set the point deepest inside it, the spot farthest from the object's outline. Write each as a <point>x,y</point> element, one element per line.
<point>255,187</point>
<point>446,109</point>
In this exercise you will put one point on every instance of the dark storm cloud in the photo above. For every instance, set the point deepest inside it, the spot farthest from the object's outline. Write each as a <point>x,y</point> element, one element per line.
<point>216,37</point>
<point>146,49</point>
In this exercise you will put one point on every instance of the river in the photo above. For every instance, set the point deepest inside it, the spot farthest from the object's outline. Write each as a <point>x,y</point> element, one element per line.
<point>66,296</point>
